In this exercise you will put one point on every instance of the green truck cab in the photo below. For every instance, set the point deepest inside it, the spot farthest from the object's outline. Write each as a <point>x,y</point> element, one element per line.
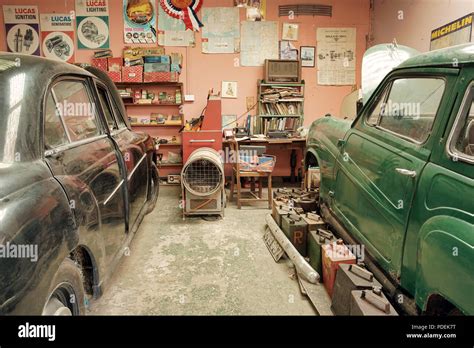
<point>399,180</point>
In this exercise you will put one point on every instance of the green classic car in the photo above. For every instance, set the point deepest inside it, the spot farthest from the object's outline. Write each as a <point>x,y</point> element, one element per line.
<point>399,180</point>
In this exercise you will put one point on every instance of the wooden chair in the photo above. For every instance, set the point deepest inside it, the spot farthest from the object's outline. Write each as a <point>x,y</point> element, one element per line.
<point>238,173</point>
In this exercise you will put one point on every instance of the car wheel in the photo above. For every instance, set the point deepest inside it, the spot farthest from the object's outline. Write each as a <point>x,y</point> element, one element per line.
<point>66,294</point>
<point>154,188</point>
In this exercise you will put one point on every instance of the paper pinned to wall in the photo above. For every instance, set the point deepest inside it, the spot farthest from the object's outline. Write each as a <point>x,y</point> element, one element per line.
<point>259,42</point>
<point>336,56</point>
<point>221,32</point>
<point>172,31</point>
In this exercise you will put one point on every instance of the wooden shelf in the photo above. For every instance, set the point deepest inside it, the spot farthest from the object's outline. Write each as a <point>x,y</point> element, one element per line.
<point>170,145</point>
<point>164,165</point>
<point>281,116</point>
<point>161,104</point>
<point>156,125</point>
<point>142,84</point>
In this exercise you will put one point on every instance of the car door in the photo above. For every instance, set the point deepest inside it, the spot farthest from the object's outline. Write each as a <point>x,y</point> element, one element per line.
<point>131,146</point>
<point>381,160</point>
<point>83,159</point>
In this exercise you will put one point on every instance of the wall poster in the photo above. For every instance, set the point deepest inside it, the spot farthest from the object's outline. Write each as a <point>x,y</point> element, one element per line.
<point>139,19</point>
<point>92,21</point>
<point>336,56</point>
<point>455,33</point>
<point>221,32</point>
<point>172,31</point>
<point>259,42</point>
<point>57,36</point>
<point>22,29</point>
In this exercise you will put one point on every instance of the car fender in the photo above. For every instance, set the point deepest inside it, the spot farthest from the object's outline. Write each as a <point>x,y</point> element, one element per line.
<point>444,267</point>
<point>37,216</point>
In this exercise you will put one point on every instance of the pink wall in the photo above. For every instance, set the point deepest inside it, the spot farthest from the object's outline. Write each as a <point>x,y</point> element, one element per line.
<point>418,19</point>
<point>205,71</point>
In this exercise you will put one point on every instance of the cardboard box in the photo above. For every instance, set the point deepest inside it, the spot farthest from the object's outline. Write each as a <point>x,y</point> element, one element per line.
<point>157,67</point>
<point>176,58</point>
<point>115,64</point>
<point>115,76</point>
<point>176,68</point>
<point>132,74</point>
<point>139,52</point>
<point>160,77</point>
<point>100,63</point>
<point>157,59</point>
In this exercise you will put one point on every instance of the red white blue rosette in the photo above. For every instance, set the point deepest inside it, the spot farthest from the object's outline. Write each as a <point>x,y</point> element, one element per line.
<point>185,10</point>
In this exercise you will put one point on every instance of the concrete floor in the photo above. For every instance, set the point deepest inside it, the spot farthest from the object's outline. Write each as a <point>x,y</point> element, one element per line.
<point>197,267</point>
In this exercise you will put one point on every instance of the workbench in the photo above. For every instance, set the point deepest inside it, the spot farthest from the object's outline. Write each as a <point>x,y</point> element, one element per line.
<point>297,147</point>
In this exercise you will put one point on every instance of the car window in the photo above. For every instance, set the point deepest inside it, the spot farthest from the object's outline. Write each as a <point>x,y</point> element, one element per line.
<point>77,109</point>
<point>465,141</point>
<point>54,133</point>
<point>106,107</point>
<point>374,116</point>
<point>411,107</point>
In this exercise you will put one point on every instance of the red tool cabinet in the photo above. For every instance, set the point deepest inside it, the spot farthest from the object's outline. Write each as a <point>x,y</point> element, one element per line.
<point>210,134</point>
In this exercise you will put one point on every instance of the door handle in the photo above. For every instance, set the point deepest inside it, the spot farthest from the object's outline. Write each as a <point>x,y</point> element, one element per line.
<point>406,172</point>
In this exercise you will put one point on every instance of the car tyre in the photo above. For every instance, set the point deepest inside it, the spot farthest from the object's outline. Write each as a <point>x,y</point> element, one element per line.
<point>154,189</point>
<point>66,294</point>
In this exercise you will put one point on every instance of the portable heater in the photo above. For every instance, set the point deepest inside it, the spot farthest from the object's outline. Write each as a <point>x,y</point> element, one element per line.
<point>202,181</point>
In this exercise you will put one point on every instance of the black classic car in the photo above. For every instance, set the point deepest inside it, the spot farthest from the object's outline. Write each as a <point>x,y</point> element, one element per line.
<point>75,183</point>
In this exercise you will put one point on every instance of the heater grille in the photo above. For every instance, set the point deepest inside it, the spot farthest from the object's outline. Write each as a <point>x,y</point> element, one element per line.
<point>203,177</point>
<point>305,10</point>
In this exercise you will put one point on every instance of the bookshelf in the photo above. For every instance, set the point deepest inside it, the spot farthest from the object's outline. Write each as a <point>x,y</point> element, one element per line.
<point>151,113</point>
<point>280,106</point>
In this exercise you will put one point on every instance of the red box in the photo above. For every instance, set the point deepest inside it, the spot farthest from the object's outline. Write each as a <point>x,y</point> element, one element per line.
<point>100,63</point>
<point>115,76</point>
<point>333,255</point>
<point>132,74</point>
<point>196,140</point>
<point>161,77</point>
<point>115,64</point>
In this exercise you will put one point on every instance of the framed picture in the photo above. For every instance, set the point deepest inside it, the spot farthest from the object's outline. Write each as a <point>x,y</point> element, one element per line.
<point>308,54</point>
<point>288,51</point>
<point>290,32</point>
<point>229,89</point>
<point>229,121</point>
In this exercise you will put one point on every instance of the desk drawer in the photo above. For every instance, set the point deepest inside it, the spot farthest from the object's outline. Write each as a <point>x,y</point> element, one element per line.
<point>197,140</point>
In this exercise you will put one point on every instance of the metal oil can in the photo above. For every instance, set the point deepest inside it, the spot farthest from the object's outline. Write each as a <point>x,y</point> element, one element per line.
<point>370,302</point>
<point>278,210</point>
<point>333,255</point>
<point>348,279</point>
<point>314,221</point>
<point>296,230</point>
<point>315,240</point>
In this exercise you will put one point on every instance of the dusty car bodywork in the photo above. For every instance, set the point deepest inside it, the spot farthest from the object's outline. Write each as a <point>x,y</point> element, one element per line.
<point>73,188</point>
<point>401,183</point>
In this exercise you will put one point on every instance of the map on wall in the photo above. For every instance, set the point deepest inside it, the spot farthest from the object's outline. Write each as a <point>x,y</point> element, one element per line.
<point>139,20</point>
<point>57,36</point>
<point>455,33</point>
<point>259,42</point>
<point>92,22</point>
<point>221,32</point>
<point>172,31</point>
<point>336,56</point>
<point>22,29</point>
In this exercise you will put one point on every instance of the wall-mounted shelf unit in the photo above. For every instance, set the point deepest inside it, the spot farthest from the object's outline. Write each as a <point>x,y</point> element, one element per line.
<point>148,112</point>
<point>280,106</point>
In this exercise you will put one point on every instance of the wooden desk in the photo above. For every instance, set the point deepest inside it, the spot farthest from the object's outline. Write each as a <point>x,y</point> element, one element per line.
<point>293,144</point>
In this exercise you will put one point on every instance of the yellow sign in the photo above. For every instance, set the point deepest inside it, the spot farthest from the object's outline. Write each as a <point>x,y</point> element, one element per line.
<point>454,33</point>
